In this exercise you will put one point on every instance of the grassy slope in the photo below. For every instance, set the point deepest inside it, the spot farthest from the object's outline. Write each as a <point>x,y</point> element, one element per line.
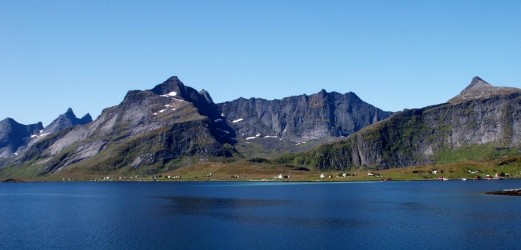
<point>487,159</point>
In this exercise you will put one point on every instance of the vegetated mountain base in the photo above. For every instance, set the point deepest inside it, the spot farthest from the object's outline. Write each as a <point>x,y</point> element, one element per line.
<point>478,162</point>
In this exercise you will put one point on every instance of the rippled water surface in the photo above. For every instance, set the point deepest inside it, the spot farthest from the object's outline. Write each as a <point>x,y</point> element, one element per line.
<point>131,215</point>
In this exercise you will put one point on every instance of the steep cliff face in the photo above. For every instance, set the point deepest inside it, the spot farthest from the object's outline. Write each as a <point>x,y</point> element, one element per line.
<point>148,128</point>
<point>301,118</point>
<point>481,114</point>
<point>14,135</point>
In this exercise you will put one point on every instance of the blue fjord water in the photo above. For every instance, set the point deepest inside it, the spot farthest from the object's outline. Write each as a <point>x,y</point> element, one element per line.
<point>230,215</point>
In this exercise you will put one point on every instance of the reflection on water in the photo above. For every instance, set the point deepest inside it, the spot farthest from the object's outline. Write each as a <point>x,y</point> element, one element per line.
<point>189,203</point>
<point>237,210</point>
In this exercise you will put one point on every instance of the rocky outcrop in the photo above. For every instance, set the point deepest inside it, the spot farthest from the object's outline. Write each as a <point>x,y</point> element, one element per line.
<point>14,135</point>
<point>301,118</point>
<point>510,192</point>
<point>481,114</point>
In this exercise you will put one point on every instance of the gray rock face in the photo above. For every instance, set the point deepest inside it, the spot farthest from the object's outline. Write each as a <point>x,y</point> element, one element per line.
<point>14,135</point>
<point>480,114</point>
<point>301,118</point>
<point>66,120</point>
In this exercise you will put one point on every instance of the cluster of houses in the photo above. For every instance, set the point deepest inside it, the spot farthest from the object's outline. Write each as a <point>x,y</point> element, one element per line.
<point>139,178</point>
<point>341,175</point>
<point>497,176</point>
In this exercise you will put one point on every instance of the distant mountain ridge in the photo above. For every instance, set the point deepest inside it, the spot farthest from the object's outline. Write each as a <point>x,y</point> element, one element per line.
<point>15,136</point>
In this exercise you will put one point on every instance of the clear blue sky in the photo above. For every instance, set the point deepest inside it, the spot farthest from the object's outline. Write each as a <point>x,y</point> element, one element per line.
<point>393,54</point>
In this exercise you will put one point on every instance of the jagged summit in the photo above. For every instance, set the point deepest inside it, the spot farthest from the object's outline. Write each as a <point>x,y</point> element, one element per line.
<point>174,88</point>
<point>480,89</point>
<point>65,120</point>
<point>87,118</point>
<point>69,113</point>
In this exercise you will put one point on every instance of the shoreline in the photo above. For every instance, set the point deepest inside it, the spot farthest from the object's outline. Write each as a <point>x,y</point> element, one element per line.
<point>12,180</point>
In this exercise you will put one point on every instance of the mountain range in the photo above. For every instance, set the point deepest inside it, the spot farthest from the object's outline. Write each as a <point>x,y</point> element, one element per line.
<point>173,125</point>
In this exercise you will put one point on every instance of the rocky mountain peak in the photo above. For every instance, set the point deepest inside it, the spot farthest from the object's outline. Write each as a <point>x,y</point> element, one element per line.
<point>480,89</point>
<point>69,113</point>
<point>86,119</point>
<point>172,86</point>
<point>65,120</point>
<point>7,121</point>
<point>476,83</point>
